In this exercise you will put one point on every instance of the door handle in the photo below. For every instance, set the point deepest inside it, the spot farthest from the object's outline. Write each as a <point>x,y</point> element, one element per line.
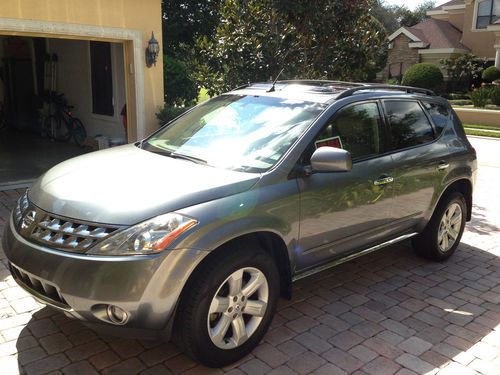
<point>383,181</point>
<point>442,166</point>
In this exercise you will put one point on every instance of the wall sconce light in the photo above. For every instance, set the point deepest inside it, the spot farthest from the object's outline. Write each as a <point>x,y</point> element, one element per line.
<point>152,51</point>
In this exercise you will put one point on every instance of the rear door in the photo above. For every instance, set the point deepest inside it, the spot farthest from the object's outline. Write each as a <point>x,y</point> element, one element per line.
<point>345,211</point>
<point>417,168</point>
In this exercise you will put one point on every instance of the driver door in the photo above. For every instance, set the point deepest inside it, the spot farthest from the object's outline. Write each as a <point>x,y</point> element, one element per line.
<point>346,211</point>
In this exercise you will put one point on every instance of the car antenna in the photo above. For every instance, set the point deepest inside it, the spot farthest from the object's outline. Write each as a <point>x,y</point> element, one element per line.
<point>274,82</point>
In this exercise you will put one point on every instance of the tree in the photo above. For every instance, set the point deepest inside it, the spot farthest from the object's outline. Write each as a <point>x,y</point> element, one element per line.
<point>183,22</point>
<point>180,88</point>
<point>324,39</point>
<point>394,16</point>
<point>410,18</point>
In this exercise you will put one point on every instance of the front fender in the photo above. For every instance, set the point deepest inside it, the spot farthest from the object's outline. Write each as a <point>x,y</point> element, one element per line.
<point>273,208</point>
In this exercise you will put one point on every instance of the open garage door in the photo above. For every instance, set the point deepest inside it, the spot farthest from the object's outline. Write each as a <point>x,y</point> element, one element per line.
<point>63,78</point>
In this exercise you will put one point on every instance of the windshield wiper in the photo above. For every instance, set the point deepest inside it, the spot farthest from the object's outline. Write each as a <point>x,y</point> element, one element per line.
<point>187,157</point>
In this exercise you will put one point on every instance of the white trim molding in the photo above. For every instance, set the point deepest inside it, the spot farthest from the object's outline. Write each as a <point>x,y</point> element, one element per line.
<point>26,27</point>
<point>436,13</point>
<point>445,10</point>
<point>454,7</point>
<point>443,50</point>
<point>403,30</point>
<point>417,45</point>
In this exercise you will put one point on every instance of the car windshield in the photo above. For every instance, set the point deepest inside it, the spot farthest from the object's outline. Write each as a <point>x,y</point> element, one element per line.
<point>237,132</point>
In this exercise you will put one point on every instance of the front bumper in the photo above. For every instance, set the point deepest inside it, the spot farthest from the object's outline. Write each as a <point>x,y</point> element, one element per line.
<point>146,287</point>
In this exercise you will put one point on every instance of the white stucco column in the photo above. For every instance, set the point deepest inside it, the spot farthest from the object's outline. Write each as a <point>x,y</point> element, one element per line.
<point>497,57</point>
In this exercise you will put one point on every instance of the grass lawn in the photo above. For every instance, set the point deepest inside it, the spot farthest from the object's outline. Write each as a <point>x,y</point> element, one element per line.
<point>482,130</point>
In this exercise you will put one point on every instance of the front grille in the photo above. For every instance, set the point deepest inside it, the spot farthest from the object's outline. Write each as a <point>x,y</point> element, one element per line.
<point>40,288</point>
<point>21,206</point>
<point>58,232</point>
<point>66,234</point>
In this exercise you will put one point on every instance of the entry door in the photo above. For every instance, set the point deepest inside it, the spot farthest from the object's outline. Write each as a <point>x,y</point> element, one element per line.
<point>345,211</point>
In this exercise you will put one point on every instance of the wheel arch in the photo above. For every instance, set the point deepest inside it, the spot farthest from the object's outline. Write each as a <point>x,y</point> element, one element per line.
<point>463,186</point>
<point>272,243</point>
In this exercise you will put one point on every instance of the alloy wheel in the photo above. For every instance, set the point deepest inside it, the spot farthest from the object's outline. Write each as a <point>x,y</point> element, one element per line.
<point>237,308</point>
<point>449,227</point>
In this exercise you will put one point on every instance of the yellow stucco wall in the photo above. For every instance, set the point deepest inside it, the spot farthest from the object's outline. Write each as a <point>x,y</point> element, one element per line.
<point>480,42</point>
<point>140,15</point>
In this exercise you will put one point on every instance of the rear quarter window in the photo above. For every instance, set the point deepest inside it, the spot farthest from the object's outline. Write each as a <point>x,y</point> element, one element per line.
<point>440,114</point>
<point>409,125</point>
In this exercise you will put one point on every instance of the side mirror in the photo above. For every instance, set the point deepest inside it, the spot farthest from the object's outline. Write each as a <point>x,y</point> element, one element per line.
<point>331,159</point>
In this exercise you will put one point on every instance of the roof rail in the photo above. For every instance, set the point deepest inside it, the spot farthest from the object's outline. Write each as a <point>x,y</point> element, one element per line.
<point>408,89</point>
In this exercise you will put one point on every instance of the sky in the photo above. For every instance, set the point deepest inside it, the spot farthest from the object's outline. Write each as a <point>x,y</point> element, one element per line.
<point>412,4</point>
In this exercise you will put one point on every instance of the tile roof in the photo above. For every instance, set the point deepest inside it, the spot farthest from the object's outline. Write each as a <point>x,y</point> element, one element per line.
<point>438,34</point>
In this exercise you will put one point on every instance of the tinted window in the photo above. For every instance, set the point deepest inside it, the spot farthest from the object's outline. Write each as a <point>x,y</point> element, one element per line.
<point>409,125</point>
<point>356,129</point>
<point>440,116</point>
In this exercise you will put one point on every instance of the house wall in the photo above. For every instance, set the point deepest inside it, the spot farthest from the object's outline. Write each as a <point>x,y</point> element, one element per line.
<point>457,20</point>
<point>74,82</point>
<point>143,16</point>
<point>435,58</point>
<point>481,42</point>
<point>455,17</point>
<point>400,53</point>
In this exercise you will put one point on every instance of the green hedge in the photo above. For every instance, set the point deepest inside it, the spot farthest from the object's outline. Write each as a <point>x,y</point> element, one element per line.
<point>424,75</point>
<point>491,74</point>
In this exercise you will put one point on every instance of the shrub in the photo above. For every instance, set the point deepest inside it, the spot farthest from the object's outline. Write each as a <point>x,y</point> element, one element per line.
<point>495,95</point>
<point>480,97</point>
<point>167,113</point>
<point>392,81</point>
<point>460,102</point>
<point>491,74</point>
<point>180,88</point>
<point>424,75</point>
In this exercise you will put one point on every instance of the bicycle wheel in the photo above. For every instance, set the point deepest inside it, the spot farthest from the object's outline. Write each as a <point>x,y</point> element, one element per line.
<point>49,127</point>
<point>78,131</point>
<point>62,130</point>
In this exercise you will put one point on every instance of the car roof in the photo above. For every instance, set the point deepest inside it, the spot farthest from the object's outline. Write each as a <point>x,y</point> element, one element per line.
<point>323,91</point>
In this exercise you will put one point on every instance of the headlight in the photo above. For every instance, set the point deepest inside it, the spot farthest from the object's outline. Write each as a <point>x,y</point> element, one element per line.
<point>148,237</point>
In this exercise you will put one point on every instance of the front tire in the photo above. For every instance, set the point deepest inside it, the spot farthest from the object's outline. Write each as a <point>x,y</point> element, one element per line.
<point>442,235</point>
<point>228,305</point>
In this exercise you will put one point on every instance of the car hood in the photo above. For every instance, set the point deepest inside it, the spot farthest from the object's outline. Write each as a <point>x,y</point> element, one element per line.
<point>126,185</point>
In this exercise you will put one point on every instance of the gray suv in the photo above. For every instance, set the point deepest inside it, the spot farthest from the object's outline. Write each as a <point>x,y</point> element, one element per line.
<point>195,232</point>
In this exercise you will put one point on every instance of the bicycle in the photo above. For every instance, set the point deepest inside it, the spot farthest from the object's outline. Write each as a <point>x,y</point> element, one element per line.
<point>53,124</point>
<point>3,120</point>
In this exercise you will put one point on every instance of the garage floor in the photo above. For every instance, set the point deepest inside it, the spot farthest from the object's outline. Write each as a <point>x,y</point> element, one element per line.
<point>25,156</point>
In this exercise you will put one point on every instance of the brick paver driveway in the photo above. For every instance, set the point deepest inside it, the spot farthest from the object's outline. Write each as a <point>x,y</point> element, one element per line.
<point>385,313</point>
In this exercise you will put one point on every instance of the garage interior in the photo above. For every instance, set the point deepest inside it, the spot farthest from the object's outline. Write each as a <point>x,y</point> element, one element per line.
<point>91,77</point>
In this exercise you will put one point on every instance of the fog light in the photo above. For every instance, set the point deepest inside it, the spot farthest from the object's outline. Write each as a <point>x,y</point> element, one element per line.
<point>116,314</point>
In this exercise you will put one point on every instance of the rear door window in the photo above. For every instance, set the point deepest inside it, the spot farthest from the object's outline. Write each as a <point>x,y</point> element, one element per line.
<point>409,126</point>
<point>440,115</point>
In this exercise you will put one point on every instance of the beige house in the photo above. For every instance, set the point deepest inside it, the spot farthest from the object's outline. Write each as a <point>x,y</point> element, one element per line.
<point>92,51</point>
<point>455,28</point>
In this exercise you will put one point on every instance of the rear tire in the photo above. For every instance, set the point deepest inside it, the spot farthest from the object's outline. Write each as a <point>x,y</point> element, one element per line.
<point>220,320</point>
<point>442,235</point>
